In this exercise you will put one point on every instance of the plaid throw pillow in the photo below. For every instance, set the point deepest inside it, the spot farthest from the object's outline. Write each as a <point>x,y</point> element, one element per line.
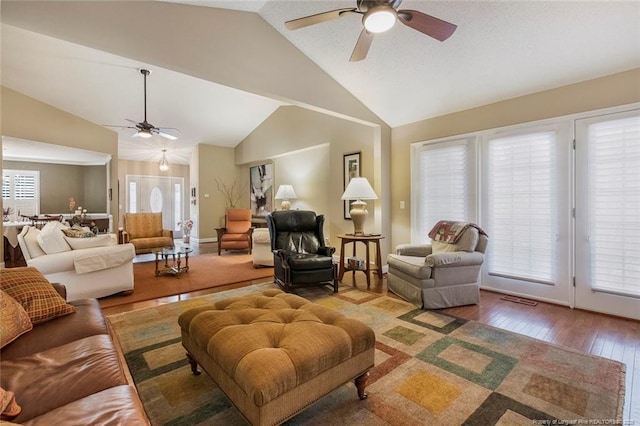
<point>78,232</point>
<point>14,320</point>
<point>36,295</point>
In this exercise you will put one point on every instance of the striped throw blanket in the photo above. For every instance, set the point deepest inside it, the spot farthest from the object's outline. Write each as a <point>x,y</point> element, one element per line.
<point>449,231</point>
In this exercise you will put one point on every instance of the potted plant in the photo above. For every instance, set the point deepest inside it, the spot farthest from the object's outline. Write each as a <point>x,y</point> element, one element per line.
<point>186,226</point>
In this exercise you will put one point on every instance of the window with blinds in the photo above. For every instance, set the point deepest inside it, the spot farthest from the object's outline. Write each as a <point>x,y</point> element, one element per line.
<point>614,204</point>
<point>21,191</point>
<point>445,188</point>
<point>521,206</point>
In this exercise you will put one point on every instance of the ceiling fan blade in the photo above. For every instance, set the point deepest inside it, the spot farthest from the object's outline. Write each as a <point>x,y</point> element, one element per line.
<point>131,121</point>
<point>120,126</point>
<point>296,24</point>
<point>427,24</point>
<point>362,46</point>
<point>167,136</point>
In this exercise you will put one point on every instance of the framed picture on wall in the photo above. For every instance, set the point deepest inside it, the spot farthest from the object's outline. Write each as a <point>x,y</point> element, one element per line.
<point>351,168</point>
<point>261,189</point>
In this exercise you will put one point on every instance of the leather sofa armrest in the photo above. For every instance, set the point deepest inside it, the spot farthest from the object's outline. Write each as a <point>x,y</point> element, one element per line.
<point>326,251</point>
<point>454,259</point>
<point>418,250</point>
<point>61,289</point>
<point>167,233</point>
<point>282,254</point>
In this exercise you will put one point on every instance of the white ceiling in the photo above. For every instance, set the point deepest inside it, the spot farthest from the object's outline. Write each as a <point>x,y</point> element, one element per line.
<point>500,50</point>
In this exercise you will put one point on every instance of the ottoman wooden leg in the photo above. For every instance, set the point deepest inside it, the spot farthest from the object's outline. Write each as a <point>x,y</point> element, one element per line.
<point>194,364</point>
<point>361,383</point>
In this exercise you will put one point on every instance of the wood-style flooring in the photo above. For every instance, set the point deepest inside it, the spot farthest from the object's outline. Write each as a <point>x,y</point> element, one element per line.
<point>584,331</point>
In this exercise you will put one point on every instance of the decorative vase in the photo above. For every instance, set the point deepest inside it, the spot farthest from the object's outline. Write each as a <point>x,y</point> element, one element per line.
<point>186,238</point>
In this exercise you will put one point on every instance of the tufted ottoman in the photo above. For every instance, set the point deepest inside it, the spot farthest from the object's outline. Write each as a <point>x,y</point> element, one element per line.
<point>273,353</point>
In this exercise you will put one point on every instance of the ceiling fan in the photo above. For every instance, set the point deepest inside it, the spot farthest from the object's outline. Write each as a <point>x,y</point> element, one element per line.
<point>378,17</point>
<point>145,129</point>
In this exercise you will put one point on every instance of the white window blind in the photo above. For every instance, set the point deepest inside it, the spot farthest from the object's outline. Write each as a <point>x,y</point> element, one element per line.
<point>21,191</point>
<point>521,206</point>
<point>614,205</point>
<point>445,188</point>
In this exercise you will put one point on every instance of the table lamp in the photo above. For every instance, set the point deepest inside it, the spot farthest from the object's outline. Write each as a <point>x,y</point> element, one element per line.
<point>359,189</point>
<point>285,193</point>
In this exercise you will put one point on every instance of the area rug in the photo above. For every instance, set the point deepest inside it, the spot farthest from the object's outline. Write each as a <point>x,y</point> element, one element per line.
<point>205,271</point>
<point>431,368</point>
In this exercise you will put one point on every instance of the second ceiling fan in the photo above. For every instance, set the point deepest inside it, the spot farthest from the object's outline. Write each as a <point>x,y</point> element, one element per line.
<point>144,128</point>
<point>379,16</point>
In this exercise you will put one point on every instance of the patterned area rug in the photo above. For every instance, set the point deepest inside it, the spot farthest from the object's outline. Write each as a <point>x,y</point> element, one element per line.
<point>430,368</point>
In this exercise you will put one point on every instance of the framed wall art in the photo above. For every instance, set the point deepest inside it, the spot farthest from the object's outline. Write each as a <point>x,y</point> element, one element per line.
<point>351,169</point>
<point>261,189</point>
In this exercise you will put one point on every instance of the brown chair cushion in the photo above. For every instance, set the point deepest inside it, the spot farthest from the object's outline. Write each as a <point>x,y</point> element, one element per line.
<point>143,225</point>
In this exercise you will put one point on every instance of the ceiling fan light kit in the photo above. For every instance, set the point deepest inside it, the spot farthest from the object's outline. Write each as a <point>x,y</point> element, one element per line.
<point>379,19</point>
<point>379,16</point>
<point>143,134</point>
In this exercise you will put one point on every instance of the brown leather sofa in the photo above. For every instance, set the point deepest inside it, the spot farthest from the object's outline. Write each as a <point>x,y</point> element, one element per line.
<point>144,231</point>
<point>67,371</point>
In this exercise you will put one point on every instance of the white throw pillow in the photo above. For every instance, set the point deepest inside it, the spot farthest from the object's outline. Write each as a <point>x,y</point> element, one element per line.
<point>30,235</point>
<point>84,243</point>
<point>51,238</point>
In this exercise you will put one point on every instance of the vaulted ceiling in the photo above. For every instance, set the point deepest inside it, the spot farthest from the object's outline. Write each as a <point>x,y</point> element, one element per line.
<point>84,62</point>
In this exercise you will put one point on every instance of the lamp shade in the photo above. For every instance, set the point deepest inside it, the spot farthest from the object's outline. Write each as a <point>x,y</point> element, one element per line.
<point>285,192</point>
<point>359,189</point>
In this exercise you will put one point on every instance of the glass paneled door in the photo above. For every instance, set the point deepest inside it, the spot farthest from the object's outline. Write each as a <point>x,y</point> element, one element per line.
<point>607,275</point>
<point>157,194</point>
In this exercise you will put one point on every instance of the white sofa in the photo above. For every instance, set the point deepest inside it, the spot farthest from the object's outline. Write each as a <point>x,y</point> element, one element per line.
<point>88,267</point>
<point>261,250</point>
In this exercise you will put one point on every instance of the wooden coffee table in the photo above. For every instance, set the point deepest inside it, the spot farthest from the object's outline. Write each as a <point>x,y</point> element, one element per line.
<point>177,254</point>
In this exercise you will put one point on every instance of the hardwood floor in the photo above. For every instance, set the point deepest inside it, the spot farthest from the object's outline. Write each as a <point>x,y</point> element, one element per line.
<point>584,331</point>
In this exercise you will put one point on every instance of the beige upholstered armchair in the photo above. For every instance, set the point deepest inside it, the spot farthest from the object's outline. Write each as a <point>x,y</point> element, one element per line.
<point>443,273</point>
<point>144,231</point>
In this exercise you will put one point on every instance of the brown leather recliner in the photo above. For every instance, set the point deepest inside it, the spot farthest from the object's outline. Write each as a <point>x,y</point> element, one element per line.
<point>300,256</point>
<point>236,234</point>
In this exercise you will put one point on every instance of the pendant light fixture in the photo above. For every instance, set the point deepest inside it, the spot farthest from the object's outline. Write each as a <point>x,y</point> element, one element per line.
<point>164,163</point>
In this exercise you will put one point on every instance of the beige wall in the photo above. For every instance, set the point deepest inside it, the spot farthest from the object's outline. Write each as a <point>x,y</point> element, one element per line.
<point>58,182</point>
<point>305,170</point>
<point>213,162</point>
<point>54,126</point>
<point>309,145</point>
<point>609,91</point>
<point>20,112</point>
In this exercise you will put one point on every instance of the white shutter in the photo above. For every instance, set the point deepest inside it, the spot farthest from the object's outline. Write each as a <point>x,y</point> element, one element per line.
<point>6,187</point>
<point>21,191</point>
<point>521,207</point>
<point>614,205</point>
<point>445,190</point>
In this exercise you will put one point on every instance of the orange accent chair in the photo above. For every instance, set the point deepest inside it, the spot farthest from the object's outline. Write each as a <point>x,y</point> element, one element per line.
<point>236,235</point>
